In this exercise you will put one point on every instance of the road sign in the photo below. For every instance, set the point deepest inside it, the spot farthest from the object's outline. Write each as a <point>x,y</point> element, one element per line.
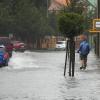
<point>96,26</point>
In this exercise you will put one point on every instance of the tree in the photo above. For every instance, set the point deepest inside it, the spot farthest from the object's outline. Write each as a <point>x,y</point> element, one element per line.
<point>6,20</point>
<point>25,18</point>
<point>71,25</point>
<point>76,6</point>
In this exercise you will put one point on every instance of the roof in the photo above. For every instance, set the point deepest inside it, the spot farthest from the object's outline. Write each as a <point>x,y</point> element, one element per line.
<point>62,2</point>
<point>58,4</point>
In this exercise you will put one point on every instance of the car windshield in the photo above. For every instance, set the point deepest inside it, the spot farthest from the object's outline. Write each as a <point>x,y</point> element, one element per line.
<point>60,42</point>
<point>2,50</point>
<point>4,41</point>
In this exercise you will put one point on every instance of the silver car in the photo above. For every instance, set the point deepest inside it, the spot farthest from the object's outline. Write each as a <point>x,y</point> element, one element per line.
<point>61,45</point>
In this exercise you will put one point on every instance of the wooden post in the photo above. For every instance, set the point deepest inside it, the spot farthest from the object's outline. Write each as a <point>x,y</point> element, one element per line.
<point>65,62</point>
<point>67,43</point>
<point>70,53</point>
<point>72,57</point>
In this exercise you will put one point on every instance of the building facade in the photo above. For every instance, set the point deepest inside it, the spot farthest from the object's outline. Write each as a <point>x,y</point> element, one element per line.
<point>96,36</point>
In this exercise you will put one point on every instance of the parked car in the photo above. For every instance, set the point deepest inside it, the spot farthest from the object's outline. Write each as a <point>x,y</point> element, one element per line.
<point>61,45</point>
<point>7,43</point>
<point>4,56</point>
<point>4,40</point>
<point>19,46</point>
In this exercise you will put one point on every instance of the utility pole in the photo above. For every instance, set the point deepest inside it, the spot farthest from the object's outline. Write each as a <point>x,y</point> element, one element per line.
<point>98,34</point>
<point>98,8</point>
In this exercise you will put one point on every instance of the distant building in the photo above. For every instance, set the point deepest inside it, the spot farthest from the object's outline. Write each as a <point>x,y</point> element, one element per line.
<point>58,4</point>
<point>48,42</point>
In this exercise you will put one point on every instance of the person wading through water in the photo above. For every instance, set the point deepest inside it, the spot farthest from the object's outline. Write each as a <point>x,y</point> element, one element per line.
<point>84,50</point>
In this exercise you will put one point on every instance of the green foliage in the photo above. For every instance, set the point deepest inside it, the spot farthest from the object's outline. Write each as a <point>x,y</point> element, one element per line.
<point>70,24</point>
<point>83,7</point>
<point>26,18</point>
<point>76,6</point>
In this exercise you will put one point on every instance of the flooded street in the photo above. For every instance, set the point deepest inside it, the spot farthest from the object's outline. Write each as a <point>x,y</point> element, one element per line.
<point>39,76</point>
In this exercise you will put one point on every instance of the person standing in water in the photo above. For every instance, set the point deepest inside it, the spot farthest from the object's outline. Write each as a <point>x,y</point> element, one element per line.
<point>84,50</point>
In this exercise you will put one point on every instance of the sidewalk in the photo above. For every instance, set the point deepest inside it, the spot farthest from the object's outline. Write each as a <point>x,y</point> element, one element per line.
<point>92,61</point>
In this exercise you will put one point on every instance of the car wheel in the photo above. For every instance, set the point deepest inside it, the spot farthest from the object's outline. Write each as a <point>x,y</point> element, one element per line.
<point>0,66</point>
<point>6,63</point>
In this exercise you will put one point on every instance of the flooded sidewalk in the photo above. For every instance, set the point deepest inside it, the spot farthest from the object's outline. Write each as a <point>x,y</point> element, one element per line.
<point>86,83</point>
<point>41,78</point>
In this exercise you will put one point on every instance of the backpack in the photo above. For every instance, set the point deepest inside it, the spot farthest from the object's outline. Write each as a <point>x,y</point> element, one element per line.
<point>85,49</point>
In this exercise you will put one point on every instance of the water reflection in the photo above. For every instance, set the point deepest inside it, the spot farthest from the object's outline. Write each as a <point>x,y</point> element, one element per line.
<point>71,83</point>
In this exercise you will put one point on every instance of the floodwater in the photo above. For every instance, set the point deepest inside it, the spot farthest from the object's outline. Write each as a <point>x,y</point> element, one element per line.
<point>39,76</point>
